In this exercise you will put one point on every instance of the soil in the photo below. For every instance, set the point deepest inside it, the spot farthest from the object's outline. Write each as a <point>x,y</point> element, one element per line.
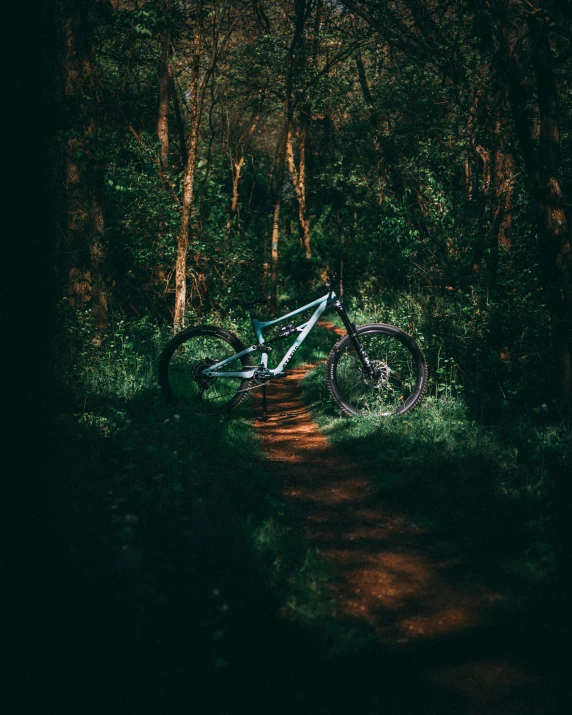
<point>417,593</point>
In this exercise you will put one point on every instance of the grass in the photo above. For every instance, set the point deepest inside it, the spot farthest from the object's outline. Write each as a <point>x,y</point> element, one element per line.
<point>180,585</point>
<point>491,488</point>
<point>179,578</point>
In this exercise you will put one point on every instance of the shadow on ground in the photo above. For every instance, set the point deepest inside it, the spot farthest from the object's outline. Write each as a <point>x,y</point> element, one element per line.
<point>156,596</point>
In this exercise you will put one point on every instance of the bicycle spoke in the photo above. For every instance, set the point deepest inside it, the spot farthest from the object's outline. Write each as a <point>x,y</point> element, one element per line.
<point>390,383</point>
<point>186,373</point>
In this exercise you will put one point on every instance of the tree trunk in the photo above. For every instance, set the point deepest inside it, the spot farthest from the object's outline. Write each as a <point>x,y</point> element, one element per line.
<point>237,167</point>
<point>554,240</point>
<point>187,204</point>
<point>276,229</point>
<point>299,183</point>
<point>236,174</point>
<point>388,159</point>
<point>503,171</point>
<point>163,109</point>
<point>179,122</point>
<point>542,162</point>
<point>84,254</point>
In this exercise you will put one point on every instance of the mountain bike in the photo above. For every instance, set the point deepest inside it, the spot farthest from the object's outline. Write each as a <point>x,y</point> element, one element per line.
<point>375,369</point>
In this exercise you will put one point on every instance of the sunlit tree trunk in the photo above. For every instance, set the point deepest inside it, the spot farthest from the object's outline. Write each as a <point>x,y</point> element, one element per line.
<point>237,166</point>
<point>298,177</point>
<point>276,230</point>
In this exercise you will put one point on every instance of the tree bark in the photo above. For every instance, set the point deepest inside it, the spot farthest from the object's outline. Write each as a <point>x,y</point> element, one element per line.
<point>502,175</point>
<point>237,166</point>
<point>179,122</point>
<point>236,174</point>
<point>187,203</point>
<point>555,246</point>
<point>85,253</point>
<point>276,227</point>
<point>542,162</point>
<point>163,109</point>
<point>299,181</point>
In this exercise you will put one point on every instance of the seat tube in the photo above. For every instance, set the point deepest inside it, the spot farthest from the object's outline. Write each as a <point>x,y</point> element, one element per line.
<point>260,337</point>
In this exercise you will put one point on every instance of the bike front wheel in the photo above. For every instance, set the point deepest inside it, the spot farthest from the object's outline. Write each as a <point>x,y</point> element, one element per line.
<point>399,378</point>
<point>183,361</point>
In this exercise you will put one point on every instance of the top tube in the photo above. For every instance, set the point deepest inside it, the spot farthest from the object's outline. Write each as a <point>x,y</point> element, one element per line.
<point>265,324</point>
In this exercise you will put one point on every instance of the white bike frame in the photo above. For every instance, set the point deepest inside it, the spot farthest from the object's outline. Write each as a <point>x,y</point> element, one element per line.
<point>320,304</point>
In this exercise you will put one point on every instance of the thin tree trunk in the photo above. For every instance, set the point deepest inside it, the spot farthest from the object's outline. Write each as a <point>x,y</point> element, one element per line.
<point>503,171</point>
<point>299,183</point>
<point>85,255</point>
<point>388,160</point>
<point>276,230</point>
<point>163,109</point>
<point>265,265</point>
<point>468,180</point>
<point>179,121</point>
<point>237,167</point>
<point>236,174</point>
<point>188,183</point>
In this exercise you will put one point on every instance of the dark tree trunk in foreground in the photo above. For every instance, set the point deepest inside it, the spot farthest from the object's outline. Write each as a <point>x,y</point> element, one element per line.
<point>543,166</point>
<point>84,249</point>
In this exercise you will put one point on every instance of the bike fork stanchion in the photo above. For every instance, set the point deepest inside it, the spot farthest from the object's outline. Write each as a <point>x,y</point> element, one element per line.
<point>264,404</point>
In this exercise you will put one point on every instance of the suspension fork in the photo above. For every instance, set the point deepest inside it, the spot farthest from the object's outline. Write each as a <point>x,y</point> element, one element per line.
<point>352,332</point>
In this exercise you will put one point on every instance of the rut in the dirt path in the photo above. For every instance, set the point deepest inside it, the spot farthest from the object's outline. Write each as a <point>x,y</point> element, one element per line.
<point>414,592</point>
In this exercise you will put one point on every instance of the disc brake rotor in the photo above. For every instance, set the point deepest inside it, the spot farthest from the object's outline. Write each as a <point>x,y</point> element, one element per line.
<point>380,377</point>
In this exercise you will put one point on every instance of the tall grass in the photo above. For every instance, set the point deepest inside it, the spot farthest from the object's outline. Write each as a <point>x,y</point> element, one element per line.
<point>187,580</point>
<point>186,587</point>
<point>489,488</point>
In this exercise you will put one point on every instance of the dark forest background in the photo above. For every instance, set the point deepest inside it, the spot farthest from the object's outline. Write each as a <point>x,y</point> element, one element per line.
<point>180,154</point>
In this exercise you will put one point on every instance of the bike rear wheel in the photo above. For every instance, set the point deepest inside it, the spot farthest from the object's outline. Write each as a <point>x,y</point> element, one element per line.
<point>181,368</point>
<point>400,373</point>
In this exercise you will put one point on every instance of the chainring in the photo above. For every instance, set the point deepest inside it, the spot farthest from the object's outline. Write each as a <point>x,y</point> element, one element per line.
<point>262,376</point>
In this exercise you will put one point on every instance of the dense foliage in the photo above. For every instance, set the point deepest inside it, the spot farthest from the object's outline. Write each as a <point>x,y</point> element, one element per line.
<point>207,150</point>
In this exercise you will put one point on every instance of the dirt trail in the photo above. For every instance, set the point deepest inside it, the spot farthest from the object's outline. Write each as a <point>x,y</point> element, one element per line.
<point>390,573</point>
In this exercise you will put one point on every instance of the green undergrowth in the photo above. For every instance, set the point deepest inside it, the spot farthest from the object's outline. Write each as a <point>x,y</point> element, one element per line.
<point>181,575</point>
<point>182,570</point>
<point>492,489</point>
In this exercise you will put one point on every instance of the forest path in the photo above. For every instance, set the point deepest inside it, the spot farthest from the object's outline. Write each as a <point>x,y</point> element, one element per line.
<point>416,593</point>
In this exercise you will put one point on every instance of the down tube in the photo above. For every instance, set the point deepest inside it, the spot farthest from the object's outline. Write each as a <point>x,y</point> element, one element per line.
<point>300,339</point>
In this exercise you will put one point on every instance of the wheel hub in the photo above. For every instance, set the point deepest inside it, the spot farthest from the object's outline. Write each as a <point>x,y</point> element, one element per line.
<point>199,377</point>
<point>380,376</point>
